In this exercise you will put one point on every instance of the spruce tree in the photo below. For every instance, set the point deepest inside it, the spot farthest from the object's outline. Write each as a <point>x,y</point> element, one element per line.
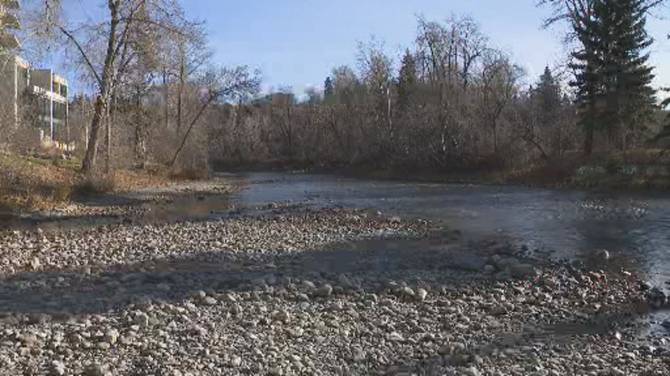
<point>587,80</point>
<point>548,99</point>
<point>612,78</point>
<point>407,80</point>
<point>630,101</point>
<point>328,89</point>
<point>665,131</point>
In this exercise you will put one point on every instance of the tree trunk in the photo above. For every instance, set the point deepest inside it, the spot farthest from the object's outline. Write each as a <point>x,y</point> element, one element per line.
<point>92,150</point>
<point>103,97</point>
<point>109,120</point>
<point>195,120</point>
<point>588,141</point>
<point>180,94</point>
<point>166,99</point>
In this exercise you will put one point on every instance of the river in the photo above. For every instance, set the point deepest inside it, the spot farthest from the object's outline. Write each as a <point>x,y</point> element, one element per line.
<point>633,228</point>
<point>562,224</point>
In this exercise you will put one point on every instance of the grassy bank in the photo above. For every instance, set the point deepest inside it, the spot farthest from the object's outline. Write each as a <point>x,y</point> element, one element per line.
<point>643,169</point>
<point>635,170</point>
<point>36,182</point>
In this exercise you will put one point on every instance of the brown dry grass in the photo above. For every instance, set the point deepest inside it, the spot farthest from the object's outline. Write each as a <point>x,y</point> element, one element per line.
<point>38,183</point>
<point>28,182</point>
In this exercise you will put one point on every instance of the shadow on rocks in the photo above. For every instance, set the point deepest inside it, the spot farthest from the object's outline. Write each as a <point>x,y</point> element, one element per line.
<point>368,266</point>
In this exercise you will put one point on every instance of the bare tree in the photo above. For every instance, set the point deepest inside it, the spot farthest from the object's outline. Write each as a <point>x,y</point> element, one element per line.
<point>220,85</point>
<point>377,74</point>
<point>499,79</point>
<point>117,33</point>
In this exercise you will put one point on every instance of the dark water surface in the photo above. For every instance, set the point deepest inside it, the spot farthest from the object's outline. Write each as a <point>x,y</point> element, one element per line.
<point>634,228</point>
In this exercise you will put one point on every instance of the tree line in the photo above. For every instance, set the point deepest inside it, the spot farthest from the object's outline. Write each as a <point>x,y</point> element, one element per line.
<point>152,75</point>
<point>452,101</point>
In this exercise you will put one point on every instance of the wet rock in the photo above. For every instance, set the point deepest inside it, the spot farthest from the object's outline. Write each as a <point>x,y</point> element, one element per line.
<point>603,254</point>
<point>407,293</point>
<point>210,301</point>
<point>656,298</point>
<point>344,281</point>
<point>324,291</point>
<point>421,294</point>
<point>309,285</point>
<point>522,271</point>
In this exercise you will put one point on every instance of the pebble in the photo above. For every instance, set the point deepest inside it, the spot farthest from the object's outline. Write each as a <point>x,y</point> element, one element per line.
<point>324,291</point>
<point>96,369</point>
<point>112,336</point>
<point>35,264</point>
<point>57,368</point>
<point>415,312</point>
<point>236,361</point>
<point>421,294</point>
<point>210,301</point>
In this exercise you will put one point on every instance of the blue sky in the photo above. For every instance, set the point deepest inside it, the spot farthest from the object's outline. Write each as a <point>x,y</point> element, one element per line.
<point>297,42</point>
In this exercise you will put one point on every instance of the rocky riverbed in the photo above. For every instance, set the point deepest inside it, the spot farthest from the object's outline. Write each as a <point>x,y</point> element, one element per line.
<point>299,291</point>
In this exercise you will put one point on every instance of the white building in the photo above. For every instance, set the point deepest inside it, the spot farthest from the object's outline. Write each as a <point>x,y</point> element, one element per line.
<point>30,97</point>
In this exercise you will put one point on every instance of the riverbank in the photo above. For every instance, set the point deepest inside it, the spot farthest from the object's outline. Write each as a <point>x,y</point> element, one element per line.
<point>44,189</point>
<point>634,171</point>
<point>293,290</point>
<point>44,182</point>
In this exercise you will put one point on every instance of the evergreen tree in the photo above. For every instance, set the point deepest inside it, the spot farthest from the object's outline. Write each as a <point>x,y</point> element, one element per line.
<point>407,80</point>
<point>548,100</point>
<point>630,103</point>
<point>328,89</point>
<point>665,132</point>
<point>612,78</point>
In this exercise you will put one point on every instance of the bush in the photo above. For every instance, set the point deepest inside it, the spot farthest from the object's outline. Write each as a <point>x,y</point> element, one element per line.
<point>95,183</point>
<point>590,176</point>
<point>190,173</point>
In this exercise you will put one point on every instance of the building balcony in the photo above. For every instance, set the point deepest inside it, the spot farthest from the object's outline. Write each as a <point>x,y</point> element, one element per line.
<point>56,97</point>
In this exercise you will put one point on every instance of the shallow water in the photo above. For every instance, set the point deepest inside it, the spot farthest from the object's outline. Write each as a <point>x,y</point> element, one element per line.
<point>634,228</point>
<point>559,224</point>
